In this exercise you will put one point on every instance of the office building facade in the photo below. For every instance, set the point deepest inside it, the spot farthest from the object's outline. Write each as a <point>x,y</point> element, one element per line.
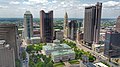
<point>7,56</point>
<point>66,25</point>
<point>72,29</point>
<point>58,34</point>
<point>28,25</point>
<point>92,24</point>
<point>112,44</point>
<point>46,26</point>
<point>9,33</point>
<point>79,37</point>
<point>118,24</point>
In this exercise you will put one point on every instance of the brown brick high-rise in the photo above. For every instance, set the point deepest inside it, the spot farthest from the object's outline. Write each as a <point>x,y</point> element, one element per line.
<point>46,26</point>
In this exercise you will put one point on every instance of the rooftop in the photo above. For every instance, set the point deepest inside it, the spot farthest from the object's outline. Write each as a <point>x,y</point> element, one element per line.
<point>57,29</point>
<point>99,45</point>
<point>2,42</point>
<point>6,25</point>
<point>63,52</point>
<point>100,64</point>
<point>32,38</point>
<point>27,12</point>
<point>51,46</point>
<point>88,64</point>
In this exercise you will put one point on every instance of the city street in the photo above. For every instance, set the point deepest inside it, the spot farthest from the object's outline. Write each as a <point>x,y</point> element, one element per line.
<point>99,56</point>
<point>25,63</point>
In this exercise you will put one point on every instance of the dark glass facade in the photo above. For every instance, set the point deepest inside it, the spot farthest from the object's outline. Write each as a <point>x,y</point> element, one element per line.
<point>46,26</point>
<point>112,44</point>
<point>72,28</point>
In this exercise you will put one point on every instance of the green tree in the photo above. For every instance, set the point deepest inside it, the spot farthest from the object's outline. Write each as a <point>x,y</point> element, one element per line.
<point>17,63</point>
<point>91,58</point>
<point>50,64</point>
<point>39,64</point>
<point>38,48</point>
<point>23,55</point>
<point>30,48</point>
<point>31,63</point>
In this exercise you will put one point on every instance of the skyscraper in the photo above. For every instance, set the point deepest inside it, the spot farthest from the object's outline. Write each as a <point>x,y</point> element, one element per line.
<point>92,23</point>
<point>118,24</point>
<point>72,26</point>
<point>9,33</point>
<point>112,44</point>
<point>66,25</point>
<point>28,25</point>
<point>46,26</point>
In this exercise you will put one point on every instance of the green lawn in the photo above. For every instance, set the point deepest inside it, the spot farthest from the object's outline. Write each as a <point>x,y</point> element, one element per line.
<point>58,64</point>
<point>74,62</point>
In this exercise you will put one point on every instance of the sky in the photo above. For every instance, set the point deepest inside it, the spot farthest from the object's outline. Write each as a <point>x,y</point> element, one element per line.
<point>74,8</point>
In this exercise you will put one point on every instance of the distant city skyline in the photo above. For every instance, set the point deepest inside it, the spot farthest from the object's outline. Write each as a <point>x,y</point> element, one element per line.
<point>74,8</point>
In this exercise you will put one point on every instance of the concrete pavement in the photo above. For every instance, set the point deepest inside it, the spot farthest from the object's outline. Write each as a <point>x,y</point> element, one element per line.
<point>67,64</point>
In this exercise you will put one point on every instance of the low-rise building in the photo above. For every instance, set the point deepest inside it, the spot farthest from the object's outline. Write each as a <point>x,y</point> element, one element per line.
<point>86,64</point>
<point>58,34</point>
<point>63,55</point>
<point>98,48</point>
<point>58,52</point>
<point>55,46</point>
<point>35,40</point>
<point>116,60</point>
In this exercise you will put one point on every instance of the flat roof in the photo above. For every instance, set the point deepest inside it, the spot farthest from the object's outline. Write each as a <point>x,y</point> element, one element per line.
<point>20,28</point>
<point>100,64</point>
<point>98,45</point>
<point>102,33</point>
<point>50,46</point>
<point>89,64</point>
<point>2,41</point>
<point>63,52</point>
<point>35,38</point>
<point>57,29</point>
<point>7,25</point>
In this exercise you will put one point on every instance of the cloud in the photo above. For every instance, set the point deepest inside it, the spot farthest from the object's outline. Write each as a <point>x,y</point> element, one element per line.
<point>38,1</point>
<point>14,2</point>
<point>27,3</point>
<point>110,4</point>
<point>54,1</point>
<point>35,2</point>
<point>3,6</point>
<point>73,7</point>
